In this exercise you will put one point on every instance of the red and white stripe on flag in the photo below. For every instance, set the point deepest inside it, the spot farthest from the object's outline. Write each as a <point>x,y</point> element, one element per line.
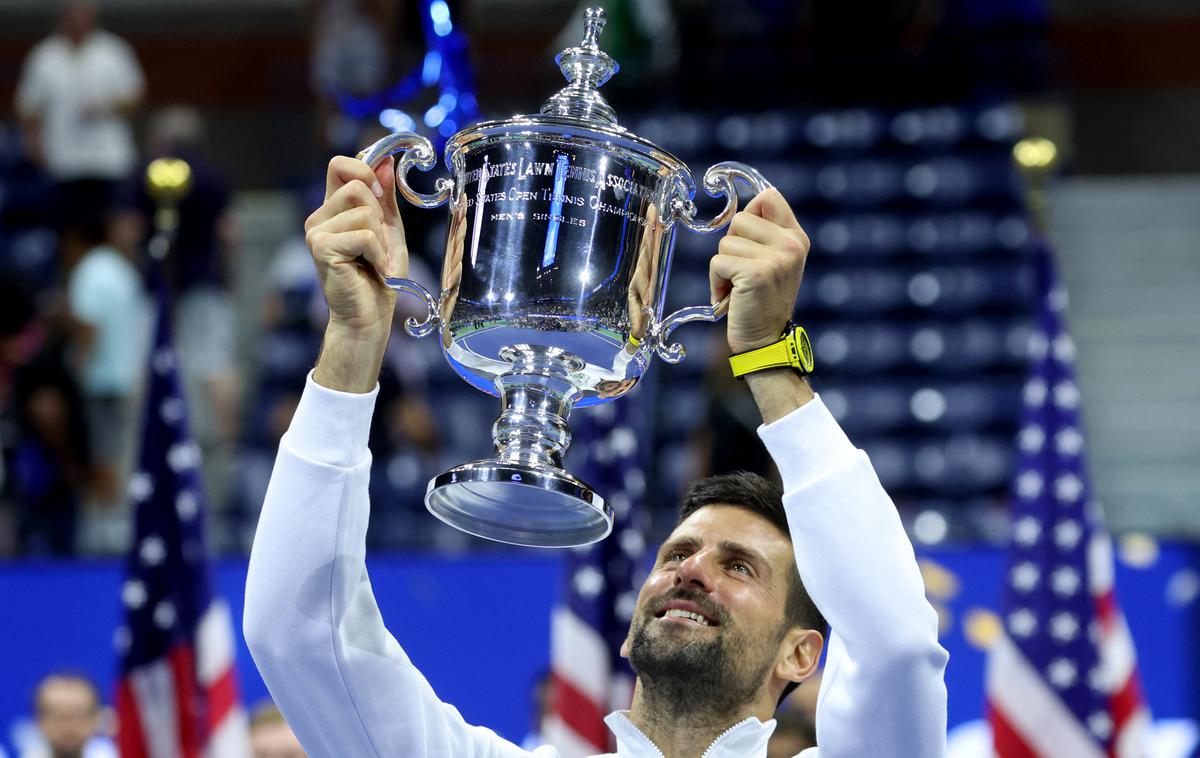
<point>1028,718</point>
<point>588,677</point>
<point>1062,678</point>
<point>186,705</point>
<point>583,688</point>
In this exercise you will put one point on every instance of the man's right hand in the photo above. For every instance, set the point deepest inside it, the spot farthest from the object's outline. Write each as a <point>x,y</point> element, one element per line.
<point>356,237</point>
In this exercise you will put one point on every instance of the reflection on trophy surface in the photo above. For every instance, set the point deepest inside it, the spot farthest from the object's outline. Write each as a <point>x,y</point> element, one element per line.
<point>562,225</point>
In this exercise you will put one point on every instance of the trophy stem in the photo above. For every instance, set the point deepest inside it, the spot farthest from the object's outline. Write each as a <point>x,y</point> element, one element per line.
<point>532,426</point>
<point>522,495</point>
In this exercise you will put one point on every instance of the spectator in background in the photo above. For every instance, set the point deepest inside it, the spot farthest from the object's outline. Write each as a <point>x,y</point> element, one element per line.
<point>108,308</point>
<point>21,335</point>
<point>68,711</point>
<point>50,461</point>
<point>728,440</point>
<point>77,92</point>
<point>270,735</point>
<point>349,56</point>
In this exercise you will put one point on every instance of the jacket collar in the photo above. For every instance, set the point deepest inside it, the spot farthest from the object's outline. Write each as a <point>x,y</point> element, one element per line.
<point>745,739</point>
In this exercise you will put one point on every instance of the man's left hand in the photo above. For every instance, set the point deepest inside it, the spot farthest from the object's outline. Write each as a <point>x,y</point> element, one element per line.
<point>759,265</point>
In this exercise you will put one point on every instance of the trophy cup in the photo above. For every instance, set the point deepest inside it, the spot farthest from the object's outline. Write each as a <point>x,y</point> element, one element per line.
<point>562,226</point>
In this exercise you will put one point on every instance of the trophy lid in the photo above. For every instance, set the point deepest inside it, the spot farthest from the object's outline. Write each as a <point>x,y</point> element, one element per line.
<point>577,111</point>
<point>586,67</point>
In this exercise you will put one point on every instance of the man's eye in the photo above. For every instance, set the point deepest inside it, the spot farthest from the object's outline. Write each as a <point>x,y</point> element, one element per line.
<point>675,555</point>
<point>742,567</point>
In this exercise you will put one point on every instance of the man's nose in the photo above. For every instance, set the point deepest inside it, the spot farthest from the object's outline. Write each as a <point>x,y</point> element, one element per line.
<point>696,570</point>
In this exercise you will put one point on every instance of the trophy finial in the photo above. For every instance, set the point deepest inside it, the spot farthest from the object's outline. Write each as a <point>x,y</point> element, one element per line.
<point>586,67</point>
<point>594,22</point>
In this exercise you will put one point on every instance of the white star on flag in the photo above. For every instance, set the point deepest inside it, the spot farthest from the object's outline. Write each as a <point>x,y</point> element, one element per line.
<point>1068,488</point>
<point>1068,441</point>
<point>1022,622</point>
<point>133,594</point>
<point>1066,394</point>
<point>1067,534</point>
<point>1037,345</point>
<point>1032,438</point>
<point>152,551</point>
<point>172,410</point>
<point>183,456</point>
<point>140,487</point>
<point>164,614</point>
<point>589,582</point>
<point>1064,348</point>
<point>1029,484</point>
<point>187,505</point>
<point>1100,723</point>
<point>1061,673</point>
<point>1063,627</point>
<point>1025,576</point>
<point>1035,392</point>
<point>1026,531</point>
<point>1065,581</point>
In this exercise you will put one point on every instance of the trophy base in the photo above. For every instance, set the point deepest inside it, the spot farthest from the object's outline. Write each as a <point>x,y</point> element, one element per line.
<point>519,504</point>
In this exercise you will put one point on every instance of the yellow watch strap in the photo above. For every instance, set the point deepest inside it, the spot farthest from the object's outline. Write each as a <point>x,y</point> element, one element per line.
<point>793,350</point>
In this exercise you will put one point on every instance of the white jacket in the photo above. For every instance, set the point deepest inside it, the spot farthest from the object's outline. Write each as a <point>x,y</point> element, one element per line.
<point>349,691</point>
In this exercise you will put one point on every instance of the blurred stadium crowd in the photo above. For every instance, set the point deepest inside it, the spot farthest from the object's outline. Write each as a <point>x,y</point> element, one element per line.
<point>917,216</point>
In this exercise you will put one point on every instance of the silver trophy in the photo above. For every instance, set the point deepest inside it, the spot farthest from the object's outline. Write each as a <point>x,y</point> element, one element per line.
<point>562,226</point>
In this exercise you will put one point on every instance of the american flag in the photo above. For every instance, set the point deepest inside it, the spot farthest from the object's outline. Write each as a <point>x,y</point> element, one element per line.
<point>177,696</point>
<point>588,676</point>
<point>1062,677</point>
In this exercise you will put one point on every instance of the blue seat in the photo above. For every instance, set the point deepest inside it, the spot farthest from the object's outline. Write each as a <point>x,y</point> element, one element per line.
<point>837,130</point>
<point>939,126</point>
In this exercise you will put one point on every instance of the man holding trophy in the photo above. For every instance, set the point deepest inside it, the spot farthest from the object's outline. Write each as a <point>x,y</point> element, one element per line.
<point>734,614</point>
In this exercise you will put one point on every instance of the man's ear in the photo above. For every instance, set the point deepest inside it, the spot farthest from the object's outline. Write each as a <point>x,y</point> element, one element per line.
<point>625,647</point>
<point>799,654</point>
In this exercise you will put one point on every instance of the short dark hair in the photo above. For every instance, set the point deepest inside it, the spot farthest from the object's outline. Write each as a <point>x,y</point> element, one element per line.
<point>761,496</point>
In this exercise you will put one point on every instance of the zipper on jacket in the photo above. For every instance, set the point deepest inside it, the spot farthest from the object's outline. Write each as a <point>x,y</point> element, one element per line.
<point>723,735</point>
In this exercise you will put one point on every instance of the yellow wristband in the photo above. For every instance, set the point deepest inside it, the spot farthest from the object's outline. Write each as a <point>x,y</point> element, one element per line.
<point>793,350</point>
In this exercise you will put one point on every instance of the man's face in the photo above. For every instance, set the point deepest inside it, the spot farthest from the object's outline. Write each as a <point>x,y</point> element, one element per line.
<point>79,19</point>
<point>710,617</point>
<point>68,715</point>
<point>275,740</point>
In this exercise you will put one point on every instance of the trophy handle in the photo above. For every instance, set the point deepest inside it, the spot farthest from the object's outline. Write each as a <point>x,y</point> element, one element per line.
<point>718,180</point>
<point>673,352</point>
<point>415,327</point>
<point>418,151</point>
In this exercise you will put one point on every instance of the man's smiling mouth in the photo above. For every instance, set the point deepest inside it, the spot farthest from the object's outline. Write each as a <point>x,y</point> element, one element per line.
<point>679,613</point>
<point>684,611</point>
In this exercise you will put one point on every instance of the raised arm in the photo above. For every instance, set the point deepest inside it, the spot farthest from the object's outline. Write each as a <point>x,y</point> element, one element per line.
<point>311,621</point>
<point>883,692</point>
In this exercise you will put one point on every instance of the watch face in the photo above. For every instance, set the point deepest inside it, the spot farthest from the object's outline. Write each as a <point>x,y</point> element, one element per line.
<point>804,347</point>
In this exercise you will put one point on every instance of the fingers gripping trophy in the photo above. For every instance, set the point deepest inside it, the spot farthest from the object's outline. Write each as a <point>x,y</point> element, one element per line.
<point>562,227</point>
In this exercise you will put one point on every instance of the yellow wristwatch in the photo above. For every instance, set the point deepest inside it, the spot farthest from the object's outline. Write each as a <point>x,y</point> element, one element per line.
<point>793,350</point>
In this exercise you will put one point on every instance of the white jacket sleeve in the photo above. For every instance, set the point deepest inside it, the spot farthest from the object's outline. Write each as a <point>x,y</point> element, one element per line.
<point>883,692</point>
<point>311,621</point>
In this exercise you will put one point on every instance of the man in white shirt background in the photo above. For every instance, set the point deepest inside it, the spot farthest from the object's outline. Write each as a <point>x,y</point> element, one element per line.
<point>725,624</point>
<point>79,88</point>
